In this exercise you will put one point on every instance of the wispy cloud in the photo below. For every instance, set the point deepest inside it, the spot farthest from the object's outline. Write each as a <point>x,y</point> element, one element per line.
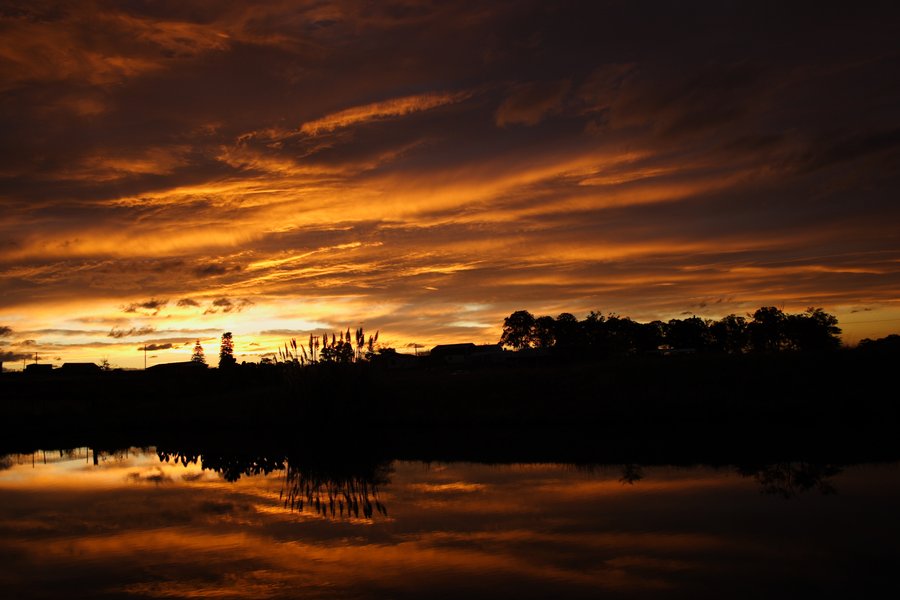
<point>227,305</point>
<point>153,306</point>
<point>395,107</point>
<point>134,331</point>
<point>155,347</point>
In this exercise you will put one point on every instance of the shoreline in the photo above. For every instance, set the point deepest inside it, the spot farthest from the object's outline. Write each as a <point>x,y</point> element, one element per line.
<point>674,409</point>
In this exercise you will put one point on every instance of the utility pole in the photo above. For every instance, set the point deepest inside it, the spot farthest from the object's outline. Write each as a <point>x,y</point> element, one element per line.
<point>145,356</point>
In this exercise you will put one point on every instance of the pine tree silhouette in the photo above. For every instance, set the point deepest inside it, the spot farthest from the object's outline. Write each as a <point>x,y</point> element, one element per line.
<point>198,356</point>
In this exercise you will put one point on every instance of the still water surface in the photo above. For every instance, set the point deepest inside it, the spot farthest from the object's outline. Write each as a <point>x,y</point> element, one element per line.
<point>132,524</point>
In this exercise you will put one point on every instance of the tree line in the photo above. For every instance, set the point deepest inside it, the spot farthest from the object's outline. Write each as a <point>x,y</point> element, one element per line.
<point>769,329</point>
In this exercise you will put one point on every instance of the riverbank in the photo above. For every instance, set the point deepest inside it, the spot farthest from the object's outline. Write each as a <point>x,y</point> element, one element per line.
<point>642,409</point>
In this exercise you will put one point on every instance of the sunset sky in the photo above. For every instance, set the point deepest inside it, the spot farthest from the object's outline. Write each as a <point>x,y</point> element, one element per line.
<point>175,169</point>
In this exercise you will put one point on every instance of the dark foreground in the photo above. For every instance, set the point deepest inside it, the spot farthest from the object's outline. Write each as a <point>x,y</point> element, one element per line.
<point>684,477</point>
<point>680,409</point>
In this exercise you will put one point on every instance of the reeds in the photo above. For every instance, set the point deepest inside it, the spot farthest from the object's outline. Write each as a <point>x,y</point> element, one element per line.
<point>343,347</point>
<point>333,496</point>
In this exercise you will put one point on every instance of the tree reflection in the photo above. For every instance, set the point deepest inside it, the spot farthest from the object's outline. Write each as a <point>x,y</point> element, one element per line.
<point>631,473</point>
<point>785,479</point>
<point>789,479</point>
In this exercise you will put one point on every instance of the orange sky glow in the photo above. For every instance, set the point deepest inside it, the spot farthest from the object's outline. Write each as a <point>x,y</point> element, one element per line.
<point>171,171</point>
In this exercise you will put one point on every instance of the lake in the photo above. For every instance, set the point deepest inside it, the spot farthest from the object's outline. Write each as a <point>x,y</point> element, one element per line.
<point>148,523</point>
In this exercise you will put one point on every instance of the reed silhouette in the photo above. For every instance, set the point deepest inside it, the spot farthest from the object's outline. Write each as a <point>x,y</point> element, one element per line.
<point>334,486</point>
<point>335,490</point>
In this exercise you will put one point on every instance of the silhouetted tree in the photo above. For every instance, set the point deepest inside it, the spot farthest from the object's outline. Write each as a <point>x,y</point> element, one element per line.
<point>226,352</point>
<point>886,345</point>
<point>691,333</point>
<point>621,335</point>
<point>544,332</point>
<point>611,335</point>
<point>593,328</point>
<point>198,356</point>
<point>770,330</point>
<point>815,330</point>
<point>567,331</point>
<point>518,329</point>
<point>650,336</point>
<point>766,331</point>
<point>729,334</point>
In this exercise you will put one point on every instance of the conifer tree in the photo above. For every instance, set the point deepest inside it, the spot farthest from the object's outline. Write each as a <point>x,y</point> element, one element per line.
<point>226,352</point>
<point>198,356</point>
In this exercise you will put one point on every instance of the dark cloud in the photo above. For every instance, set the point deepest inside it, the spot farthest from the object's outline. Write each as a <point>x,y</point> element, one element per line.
<point>529,103</point>
<point>155,347</point>
<point>214,269</point>
<point>67,332</point>
<point>227,305</point>
<point>134,331</point>
<point>11,356</point>
<point>153,305</point>
<point>188,302</point>
<point>5,331</point>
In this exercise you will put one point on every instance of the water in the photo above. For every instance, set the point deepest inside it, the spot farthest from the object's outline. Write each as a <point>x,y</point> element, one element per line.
<point>136,526</point>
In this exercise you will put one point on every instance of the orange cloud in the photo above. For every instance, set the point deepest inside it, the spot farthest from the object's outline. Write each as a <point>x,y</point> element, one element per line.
<point>395,107</point>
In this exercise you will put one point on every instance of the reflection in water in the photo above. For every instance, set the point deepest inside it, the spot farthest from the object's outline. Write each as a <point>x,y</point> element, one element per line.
<point>631,474</point>
<point>788,479</point>
<point>327,487</point>
<point>230,466</point>
<point>176,524</point>
<point>331,493</point>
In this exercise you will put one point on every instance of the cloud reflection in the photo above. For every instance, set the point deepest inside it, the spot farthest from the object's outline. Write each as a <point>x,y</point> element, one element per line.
<point>529,530</point>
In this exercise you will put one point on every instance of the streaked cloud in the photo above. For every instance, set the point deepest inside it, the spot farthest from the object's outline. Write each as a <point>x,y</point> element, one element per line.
<point>154,305</point>
<point>134,331</point>
<point>156,347</point>
<point>395,107</point>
